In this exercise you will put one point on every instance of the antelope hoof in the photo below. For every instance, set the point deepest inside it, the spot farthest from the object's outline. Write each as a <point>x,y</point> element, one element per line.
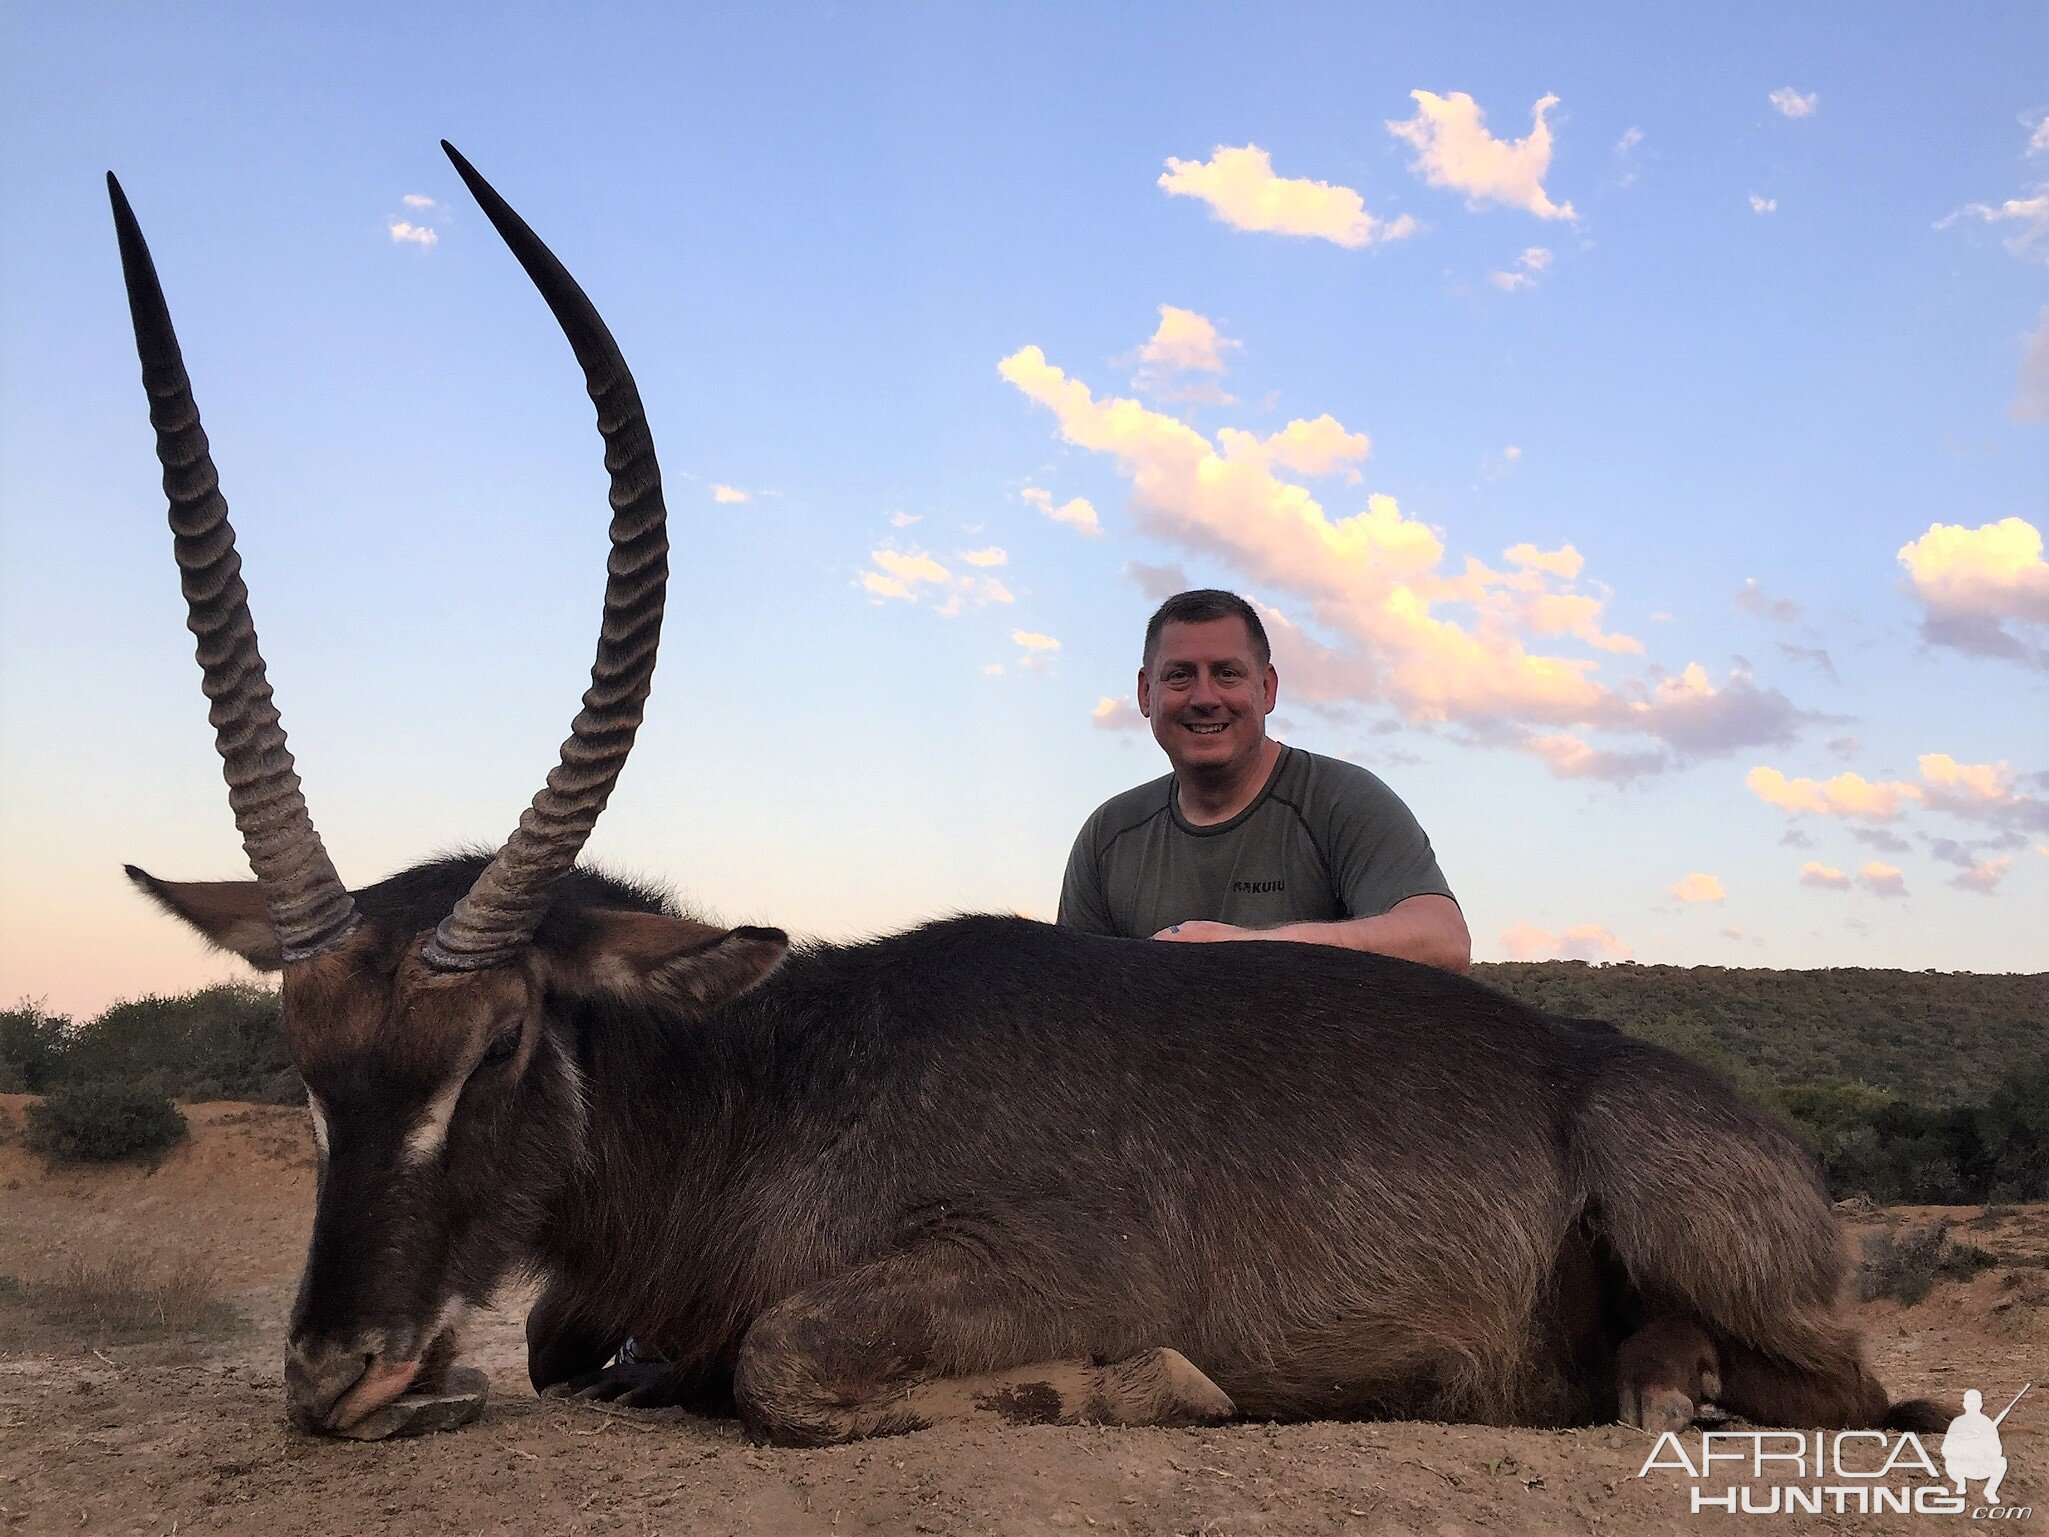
<point>629,1384</point>
<point>458,1400</point>
<point>1158,1387</point>
<point>1664,1373</point>
<point>1658,1410</point>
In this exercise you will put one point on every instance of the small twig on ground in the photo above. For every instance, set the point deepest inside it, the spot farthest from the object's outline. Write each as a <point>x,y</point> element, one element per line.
<point>1452,1482</point>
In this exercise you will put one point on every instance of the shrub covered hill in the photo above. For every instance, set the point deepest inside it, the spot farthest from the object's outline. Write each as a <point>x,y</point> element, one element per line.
<point>1922,1086</point>
<point>1930,1038</point>
<point>1909,1086</point>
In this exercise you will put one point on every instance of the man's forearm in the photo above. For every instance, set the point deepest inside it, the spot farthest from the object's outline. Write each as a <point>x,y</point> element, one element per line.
<point>1416,930</point>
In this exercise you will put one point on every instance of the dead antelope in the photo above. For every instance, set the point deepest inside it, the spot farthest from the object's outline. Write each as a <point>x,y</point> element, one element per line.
<point>984,1166</point>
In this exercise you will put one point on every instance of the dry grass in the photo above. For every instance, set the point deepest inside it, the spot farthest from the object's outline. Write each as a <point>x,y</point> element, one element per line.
<point>133,1296</point>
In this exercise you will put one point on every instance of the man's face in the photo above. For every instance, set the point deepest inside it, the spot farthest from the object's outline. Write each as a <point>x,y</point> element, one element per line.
<point>1207,695</point>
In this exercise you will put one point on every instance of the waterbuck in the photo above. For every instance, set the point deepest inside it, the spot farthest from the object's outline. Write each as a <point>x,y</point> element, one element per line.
<point>987,1166</point>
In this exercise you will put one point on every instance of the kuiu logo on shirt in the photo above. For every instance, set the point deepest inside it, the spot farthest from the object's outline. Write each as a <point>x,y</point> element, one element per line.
<point>1257,888</point>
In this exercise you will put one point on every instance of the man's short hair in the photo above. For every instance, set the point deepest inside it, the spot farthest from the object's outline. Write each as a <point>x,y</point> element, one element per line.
<point>1199,607</point>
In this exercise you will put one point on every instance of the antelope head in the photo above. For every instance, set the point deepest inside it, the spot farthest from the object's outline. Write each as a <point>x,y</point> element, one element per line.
<point>448,1106</point>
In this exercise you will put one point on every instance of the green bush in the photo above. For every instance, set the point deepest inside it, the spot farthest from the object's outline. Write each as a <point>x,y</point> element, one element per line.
<point>103,1123</point>
<point>1869,1143</point>
<point>2014,1130</point>
<point>1835,1119</point>
<point>32,1047</point>
<point>1906,1266</point>
<point>221,1042</point>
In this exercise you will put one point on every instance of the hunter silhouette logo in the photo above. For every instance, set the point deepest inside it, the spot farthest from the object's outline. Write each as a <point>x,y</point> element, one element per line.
<point>1970,1447</point>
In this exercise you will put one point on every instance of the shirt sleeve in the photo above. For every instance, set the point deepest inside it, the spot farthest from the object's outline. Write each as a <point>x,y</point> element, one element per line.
<point>1379,853</point>
<point>1082,903</point>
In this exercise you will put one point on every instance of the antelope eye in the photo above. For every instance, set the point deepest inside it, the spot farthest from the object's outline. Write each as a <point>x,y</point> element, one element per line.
<point>501,1050</point>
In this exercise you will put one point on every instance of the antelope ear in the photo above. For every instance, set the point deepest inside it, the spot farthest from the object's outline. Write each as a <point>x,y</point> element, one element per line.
<point>688,963</point>
<point>230,915</point>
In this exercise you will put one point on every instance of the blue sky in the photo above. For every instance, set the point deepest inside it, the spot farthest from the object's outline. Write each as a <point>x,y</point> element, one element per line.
<point>1780,340</point>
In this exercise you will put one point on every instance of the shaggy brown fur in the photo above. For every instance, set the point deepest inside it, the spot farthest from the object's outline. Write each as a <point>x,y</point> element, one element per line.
<point>994,1166</point>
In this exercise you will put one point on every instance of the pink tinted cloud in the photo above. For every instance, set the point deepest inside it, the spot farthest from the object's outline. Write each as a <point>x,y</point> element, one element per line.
<point>1583,942</point>
<point>1473,645</point>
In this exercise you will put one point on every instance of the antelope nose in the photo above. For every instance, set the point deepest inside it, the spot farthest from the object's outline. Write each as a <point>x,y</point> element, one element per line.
<point>316,1378</point>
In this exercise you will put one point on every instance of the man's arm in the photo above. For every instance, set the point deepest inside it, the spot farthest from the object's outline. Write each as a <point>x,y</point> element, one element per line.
<point>1429,929</point>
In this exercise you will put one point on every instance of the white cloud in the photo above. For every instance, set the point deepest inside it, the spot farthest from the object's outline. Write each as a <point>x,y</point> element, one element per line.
<point>2031,399</point>
<point>1455,150</point>
<point>1763,204</point>
<point>1698,888</point>
<point>1975,792</point>
<point>1976,582</point>
<point>1846,795</point>
<point>1792,104</point>
<point>1444,644</point>
<point>904,519</point>
<point>1242,191</point>
<point>1754,601</point>
<point>1494,466</point>
<point>911,566</point>
<point>993,670</point>
<point>912,575</point>
<point>1980,792</point>
<point>900,573</point>
<point>2029,216</point>
<point>1036,651</point>
<point>1116,715</point>
<point>1584,942</point>
<point>730,494</point>
<point>1529,267</point>
<point>406,233</point>
<point>1570,758</point>
<point>1564,562</point>
<point>989,557</point>
<point>1625,154</point>
<point>1882,880</point>
<point>1186,342</point>
<point>885,587</point>
<point>1984,875</point>
<point>1815,873</point>
<point>1975,781</point>
<point>1319,447</point>
<point>1076,512</point>
<point>418,200</point>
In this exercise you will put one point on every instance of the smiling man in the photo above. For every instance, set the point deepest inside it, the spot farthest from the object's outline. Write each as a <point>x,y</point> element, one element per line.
<point>1249,838</point>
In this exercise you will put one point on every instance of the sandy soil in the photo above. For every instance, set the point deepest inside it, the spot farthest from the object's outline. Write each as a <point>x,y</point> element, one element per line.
<point>165,1431</point>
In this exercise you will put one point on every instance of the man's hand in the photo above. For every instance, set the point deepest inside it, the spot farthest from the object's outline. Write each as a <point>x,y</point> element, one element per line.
<point>1429,929</point>
<point>1201,932</point>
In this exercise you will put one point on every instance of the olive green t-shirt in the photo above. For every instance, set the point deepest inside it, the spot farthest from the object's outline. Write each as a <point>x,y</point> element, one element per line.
<point>1324,840</point>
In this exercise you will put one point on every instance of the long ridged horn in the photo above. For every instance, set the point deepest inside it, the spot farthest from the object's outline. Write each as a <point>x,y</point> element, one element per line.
<point>311,908</point>
<point>497,918</point>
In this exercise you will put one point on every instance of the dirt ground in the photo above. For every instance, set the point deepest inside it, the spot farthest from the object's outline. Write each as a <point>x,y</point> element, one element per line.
<point>173,1424</point>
